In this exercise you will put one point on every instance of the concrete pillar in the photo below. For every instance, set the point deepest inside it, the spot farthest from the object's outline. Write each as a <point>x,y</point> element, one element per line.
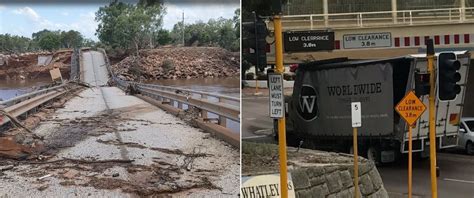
<point>325,12</point>
<point>463,9</point>
<point>394,11</point>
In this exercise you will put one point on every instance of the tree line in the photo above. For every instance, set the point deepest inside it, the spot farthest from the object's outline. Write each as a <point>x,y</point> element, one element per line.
<point>132,27</point>
<point>140,26</point>
<point>43,40</point>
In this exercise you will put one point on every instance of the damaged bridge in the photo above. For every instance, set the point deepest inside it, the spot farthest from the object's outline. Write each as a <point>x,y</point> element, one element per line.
<point>105,137</point>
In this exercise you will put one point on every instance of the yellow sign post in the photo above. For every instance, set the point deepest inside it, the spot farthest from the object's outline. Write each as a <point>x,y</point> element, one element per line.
<point>430,54</point>
<point>410,109</point>
<point>281,121</point>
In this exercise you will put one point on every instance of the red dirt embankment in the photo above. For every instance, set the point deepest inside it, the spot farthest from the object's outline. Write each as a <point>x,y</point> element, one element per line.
<point>25,65</point>
<point>178,63</point>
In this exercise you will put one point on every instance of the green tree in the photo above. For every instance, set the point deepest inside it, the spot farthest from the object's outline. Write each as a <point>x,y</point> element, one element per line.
<point>49,41</point>
<point>236,21</point>
<point>37,35</point>
<point>71,39</point>
<point>14,44</point>
<point>163,37</point>
<point>216,32</point>
<point>130,26</point>
<point>88,43</point>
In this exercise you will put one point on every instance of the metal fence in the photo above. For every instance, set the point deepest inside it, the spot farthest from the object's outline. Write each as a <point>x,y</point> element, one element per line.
<point>382,18</point>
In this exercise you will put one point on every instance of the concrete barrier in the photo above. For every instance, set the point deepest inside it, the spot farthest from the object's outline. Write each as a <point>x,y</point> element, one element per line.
<point>315,173</point>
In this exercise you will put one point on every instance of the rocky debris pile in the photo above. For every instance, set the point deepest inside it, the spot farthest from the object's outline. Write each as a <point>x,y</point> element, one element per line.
<point>25,65</point>
<point>179,63</point>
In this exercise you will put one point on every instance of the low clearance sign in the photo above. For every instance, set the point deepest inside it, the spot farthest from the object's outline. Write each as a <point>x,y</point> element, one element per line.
<point>263,186</point>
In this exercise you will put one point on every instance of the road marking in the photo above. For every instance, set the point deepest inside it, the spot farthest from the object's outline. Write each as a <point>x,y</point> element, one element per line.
<point>253,98</point>
<point>459,180</point>
<point>255,136</point>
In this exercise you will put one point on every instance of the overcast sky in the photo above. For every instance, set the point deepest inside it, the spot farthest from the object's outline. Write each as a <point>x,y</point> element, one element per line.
<point>29,17</point>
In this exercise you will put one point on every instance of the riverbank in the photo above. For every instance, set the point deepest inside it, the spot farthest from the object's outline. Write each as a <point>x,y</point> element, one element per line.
<point>34,65</point>
<point>179,63</point>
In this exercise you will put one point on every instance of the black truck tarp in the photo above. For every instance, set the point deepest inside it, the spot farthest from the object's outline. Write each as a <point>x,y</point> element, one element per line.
<point>324,90</point>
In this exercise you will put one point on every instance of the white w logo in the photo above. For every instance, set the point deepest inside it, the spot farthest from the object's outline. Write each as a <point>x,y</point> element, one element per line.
<point>306,105</point>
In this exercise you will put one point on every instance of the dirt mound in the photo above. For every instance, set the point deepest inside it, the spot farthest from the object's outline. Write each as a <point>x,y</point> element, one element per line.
<point>179,62</point>
<point>25,65</point>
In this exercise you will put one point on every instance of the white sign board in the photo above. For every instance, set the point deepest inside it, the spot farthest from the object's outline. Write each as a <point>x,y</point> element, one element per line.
<point>369,40</point>
<point>264,186</point>
<point>277,101</point>
<point>356,114</point>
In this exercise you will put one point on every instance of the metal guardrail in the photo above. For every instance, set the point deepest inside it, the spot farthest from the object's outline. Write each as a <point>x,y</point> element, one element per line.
<point>383,18</point>
<point>28,96</point>
<point>25,103</point>
<point>75,67</point>
<point>225,107</point>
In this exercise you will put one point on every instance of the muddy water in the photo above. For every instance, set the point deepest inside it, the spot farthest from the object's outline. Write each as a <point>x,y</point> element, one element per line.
<point>222,86</point>
<point>12,88</point>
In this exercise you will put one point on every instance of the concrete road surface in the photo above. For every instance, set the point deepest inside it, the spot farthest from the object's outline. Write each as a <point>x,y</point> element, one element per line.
<point>94,70</point>
<point>456,178</point>
<point>103,123</point>
<point>457,170</point>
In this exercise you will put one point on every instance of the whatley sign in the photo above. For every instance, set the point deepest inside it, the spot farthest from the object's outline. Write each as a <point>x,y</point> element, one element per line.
<point>264,186</point>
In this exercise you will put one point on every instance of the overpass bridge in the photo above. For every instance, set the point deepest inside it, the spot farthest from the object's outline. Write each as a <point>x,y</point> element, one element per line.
<point>404,32</point>
<point>105,142</point>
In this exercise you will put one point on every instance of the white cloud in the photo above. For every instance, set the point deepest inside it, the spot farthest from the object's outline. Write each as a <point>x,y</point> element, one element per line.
<point>27,11</point>
<point>65,13</point>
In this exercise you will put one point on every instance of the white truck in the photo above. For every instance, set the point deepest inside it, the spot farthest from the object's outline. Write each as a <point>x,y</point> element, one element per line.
<point>318,112</point>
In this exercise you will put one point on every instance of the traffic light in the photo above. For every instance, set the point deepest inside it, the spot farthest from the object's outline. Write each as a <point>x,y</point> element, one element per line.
<point>422,84</point>
<point>448,76</point>
<point>254,43</point>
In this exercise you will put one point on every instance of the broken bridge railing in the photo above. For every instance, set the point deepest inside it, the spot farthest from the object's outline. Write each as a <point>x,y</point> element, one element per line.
<point>25,103</point>
<point>218,114</point>
<point>224,107</point>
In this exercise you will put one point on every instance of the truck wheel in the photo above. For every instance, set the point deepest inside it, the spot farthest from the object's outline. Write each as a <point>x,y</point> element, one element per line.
<point>470,148</point>
<point>373,154</point>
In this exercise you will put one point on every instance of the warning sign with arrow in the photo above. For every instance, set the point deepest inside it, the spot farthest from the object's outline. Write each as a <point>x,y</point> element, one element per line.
<point>410,108</point>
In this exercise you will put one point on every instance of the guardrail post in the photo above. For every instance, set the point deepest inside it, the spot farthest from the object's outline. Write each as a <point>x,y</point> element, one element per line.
<point>311,21</point>
<point>223,121</point>
<point>404,21</point>
<point>203,112</point>
<point>325,12</point>
<point>394,11</point>
<point>411,20</point>
<point>360,19</point>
